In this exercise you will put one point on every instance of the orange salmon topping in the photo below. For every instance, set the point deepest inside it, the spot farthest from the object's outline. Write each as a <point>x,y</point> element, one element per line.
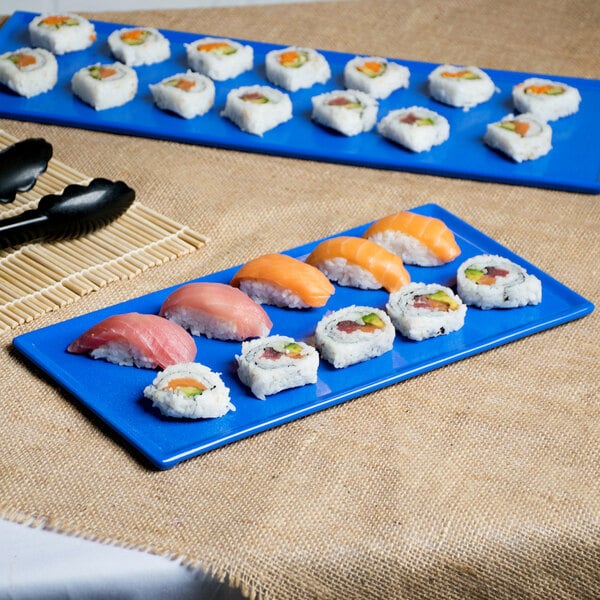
<point>212,46</point>
<point>106,72</point>
<point>371,65</point>
<point>134,34</point>
<point>541,89</point>
<point>185,84</point>
<point>521,127</point>
<point>24,60</point>
<point>456,74</point>
<point>286,58</point>
<point>185,382</point>
<point>55,20</point>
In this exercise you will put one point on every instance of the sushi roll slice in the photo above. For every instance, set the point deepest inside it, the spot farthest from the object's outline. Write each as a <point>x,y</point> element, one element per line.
<point>415,128</point>
<point>28,71</point>
<point>105,86</point>
<point>219,58</point>
<point>548,100</point>
<point>256,109</point>
<point>276,363</point>
<point>420,311</point>
<point>187,94</point>
<point>354,334</point>
<point>361,263</point>
<point>294,68</point>
<point>348,111</point>
<point>490,281</point>
<point>375,76</point>
<point>136,46</point>
<point>460,86</point>
<point>522,137</point>
<point>189,391</point>
<point>417,239</point>
<point>134,339</point>
<point>216,310</point>
<point>61,33</point>
<point>282,280</point>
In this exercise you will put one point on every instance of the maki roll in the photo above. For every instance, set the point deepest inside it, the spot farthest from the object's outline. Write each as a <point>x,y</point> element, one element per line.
<point>489,281</point>
<point>187,94</point>
<point>460,86</point>
<point>28,71</point>
<point>256,109</point>
<point>61,33</point>
<point>219,58</point>
<point>189,391</point>
<point>415,128</point>
<point>105,86</point>
<point>354,334</point>
<point>376,76</point>
<point>522,137</point>
<point>270,365</point>
<point>139,46</point>
<point>295,68</point>
<point>420,311</point>
<point>548,100</point>
<point>350,112</point>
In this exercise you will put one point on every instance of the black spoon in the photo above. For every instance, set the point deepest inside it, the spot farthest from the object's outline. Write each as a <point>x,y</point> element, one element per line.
<point>20,166</point>
<point>78,210</point>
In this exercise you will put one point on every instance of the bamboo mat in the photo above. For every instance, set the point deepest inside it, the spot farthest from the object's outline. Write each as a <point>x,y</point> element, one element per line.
<point>38,278</point>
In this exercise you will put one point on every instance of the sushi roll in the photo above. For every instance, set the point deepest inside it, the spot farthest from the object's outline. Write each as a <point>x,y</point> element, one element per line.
<point>105,86</point>
<point>420,311</point>
<point>28,71</point>
<point>187,94</point>
<point>417,239</point>
<point>522,137</point>
<point>415,128</point>
<point>282,280</point>
<point>189,391</point>
<point>460,86</point>
<point>348,111</point>
<point>134,339</point>
<point>375,76</point>
<point>61,33</point>
<point>256,109</point>
<point>276,363</point>
<point>216,310</point>
<point>294,68</point>
<point>490,281</point>
<point>548,100</point>
<point>219,58</point>
<point>358,262</point>
<point>354,334</point>
<point>136,46</point>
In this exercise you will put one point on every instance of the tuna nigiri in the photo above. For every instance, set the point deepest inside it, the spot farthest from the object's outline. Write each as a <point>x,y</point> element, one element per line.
<point>283,281</point>
<point>361,263</point>
<point>216,310</point>
<point>134,339</point>
<point>417,239</point>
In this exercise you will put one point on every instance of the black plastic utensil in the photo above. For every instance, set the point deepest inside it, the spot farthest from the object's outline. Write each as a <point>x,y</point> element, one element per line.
<point>20,166</point>
<point>78,210</point>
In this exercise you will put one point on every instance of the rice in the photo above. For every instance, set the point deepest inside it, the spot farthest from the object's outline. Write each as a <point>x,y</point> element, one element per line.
<point>28,71</point>
<point>348,111</point>
<point>187,94</point>
<point>139,46</point>
<point>270,293</point>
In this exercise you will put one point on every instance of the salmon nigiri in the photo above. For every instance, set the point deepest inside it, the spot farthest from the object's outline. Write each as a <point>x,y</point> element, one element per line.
<point>216,310</point>
<point>135,339</point>
<point>360,263</point>
<point>417,239</point>
<point>283,281</point>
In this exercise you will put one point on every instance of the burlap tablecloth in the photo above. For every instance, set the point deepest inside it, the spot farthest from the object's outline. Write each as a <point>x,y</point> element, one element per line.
<point>477,480</point>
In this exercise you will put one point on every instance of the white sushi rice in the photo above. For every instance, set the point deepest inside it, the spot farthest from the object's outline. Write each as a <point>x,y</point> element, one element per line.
<point>176,399</point>
<point>109,92</point>
<point>378,82</point>
<point>28,79</point>
<point>271,293</point>
<point>348,111</point>
<point>219,58</point>
<point>310,68</point>
<point>61,33</point>
<point>548,100</point>
<point>257,108</point>
<point>193,98</point>
<point>276,363</point>
<point>415,127</point>
<point>344,273</point>
<point>536,142</point>
<point>136,46</point>
<point>123,353</point>
<point>410,249</point>
<point>447,86</point>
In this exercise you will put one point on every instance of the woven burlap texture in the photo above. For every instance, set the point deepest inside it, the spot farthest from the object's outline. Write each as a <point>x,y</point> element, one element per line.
<point>476,480</point>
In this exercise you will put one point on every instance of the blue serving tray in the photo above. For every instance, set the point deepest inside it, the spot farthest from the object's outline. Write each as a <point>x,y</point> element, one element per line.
<point>571,165</point>
<point>114,393</point>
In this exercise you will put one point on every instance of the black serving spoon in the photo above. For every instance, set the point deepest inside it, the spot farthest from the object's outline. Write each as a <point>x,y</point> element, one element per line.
<point>78,210</point>
<point>20,166</point>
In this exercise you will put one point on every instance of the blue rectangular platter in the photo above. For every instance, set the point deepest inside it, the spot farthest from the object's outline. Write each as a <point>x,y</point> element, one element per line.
<point>571,165</point>
<point>116,397</point>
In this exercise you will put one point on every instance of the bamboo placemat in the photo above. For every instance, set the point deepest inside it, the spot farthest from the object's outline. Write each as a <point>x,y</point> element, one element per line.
<point>38,278</point>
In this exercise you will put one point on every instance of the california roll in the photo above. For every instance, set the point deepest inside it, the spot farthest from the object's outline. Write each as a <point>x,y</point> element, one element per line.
<point>295,68</point>
<point>28,71</point>
<point>349,112</point>
<point>376,76</point>
<point>61,33</point>
<point>136,46</point>
<point>219,58</point>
